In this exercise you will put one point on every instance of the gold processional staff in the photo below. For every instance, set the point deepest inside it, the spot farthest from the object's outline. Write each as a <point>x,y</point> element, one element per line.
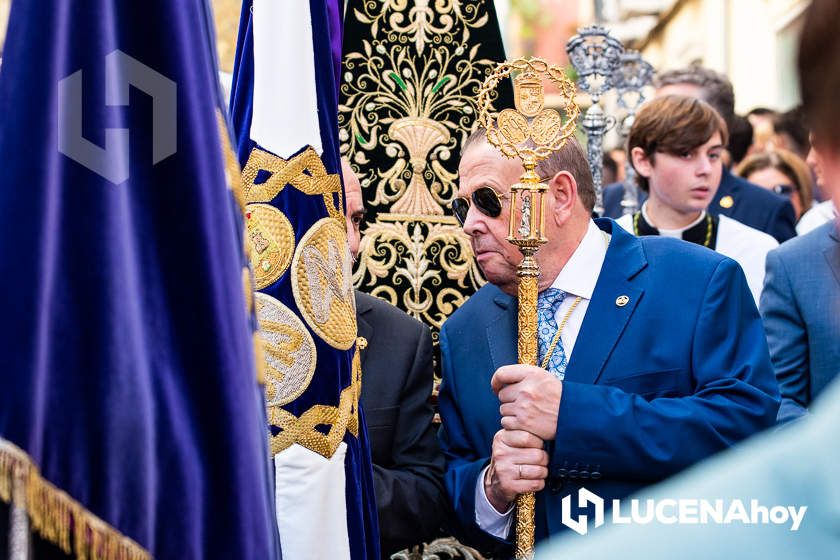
<point>531,133</point>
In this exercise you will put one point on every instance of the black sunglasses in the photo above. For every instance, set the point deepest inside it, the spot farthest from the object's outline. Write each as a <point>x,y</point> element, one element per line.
<point>784,190</point>
<point>486,199</point>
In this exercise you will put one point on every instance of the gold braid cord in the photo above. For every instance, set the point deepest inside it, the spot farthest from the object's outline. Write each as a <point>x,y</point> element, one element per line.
<point>531,132</point>
<point>305,172</point>
<point>54,515</point>
<point>340,419</point>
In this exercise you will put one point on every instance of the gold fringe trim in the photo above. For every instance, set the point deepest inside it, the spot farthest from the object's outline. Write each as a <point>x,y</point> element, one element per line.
<point>54,515</point>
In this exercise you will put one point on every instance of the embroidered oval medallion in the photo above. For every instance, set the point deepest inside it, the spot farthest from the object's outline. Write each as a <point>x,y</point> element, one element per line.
<point>322,283</point>
<point>272,242</point>
<point>288,348</point>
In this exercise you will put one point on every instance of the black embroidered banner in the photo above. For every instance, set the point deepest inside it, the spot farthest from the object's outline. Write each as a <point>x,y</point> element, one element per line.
<point>410,82</point>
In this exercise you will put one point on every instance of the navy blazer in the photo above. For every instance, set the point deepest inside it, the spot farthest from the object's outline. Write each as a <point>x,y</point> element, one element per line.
<point>679,373</point>
<point>752,205</point>
<point>800,305</point>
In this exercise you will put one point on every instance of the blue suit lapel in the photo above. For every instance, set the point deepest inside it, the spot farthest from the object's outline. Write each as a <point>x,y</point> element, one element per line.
<point>605,319</point>
<point>502,329</point>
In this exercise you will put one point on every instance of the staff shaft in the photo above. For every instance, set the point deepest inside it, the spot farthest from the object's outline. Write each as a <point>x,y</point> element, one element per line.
<point>528,272</point>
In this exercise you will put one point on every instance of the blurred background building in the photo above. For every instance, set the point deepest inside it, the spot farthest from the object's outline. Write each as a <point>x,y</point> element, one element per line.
<point>751,41</point>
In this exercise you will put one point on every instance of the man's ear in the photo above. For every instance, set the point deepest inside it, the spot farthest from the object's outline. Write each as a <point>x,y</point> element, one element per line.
<point>641,162</point>
<point>563,190</point>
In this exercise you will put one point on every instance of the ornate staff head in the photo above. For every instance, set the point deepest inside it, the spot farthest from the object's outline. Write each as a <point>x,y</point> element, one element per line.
<point>630,78</point>
<point>530,132</point>
<point>595,54</point>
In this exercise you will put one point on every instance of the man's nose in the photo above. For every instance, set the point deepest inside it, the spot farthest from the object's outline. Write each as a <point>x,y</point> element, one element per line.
<point>475,221</point>
<point>704,166</point>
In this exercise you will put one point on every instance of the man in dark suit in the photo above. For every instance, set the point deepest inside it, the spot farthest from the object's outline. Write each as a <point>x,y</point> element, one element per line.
<point>652,351</point>
<point>397,377</point>
<point>736,198</point>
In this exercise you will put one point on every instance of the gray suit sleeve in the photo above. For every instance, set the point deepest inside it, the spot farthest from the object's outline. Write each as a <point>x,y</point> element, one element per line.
<point>787,339</point>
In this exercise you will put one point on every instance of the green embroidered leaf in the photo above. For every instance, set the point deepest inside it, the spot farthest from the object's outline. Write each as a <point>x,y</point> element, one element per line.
<point>440,84</point>
<point>399,81</point>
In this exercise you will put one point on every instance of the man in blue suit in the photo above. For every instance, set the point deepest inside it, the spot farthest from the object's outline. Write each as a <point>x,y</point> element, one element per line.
<point>800,306</point>
<point>652,350</point>
<point>736,198</point>
<point>801,301</point>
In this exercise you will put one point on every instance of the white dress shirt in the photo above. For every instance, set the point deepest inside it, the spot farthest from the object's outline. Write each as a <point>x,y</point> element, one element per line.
<point>577,278</point>
<point>815,217</point>
<point>745,245</point>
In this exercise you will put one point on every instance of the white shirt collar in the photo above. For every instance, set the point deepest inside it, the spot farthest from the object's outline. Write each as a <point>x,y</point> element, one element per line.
<point>581,272</point>
<point>673,232</point>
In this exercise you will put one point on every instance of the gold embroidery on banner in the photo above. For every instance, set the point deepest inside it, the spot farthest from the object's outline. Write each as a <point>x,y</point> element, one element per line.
<point>58,517</point>
<point>337,419</point>
<point>418,255</point>
<point>322,283</point>
<point>248,288</point>
<point>259,357</point>
<point>419,135</point>
<point>410,92</point>
<point>425,24</point>
<point>305,172</point>
<point>272,241</point>
<point>289,351</point>
<point>430,105</point>
<point>233,177</point>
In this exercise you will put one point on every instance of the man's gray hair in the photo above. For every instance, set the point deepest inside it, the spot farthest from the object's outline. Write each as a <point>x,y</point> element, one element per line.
<point>570,157</point>
<point>717,89</point>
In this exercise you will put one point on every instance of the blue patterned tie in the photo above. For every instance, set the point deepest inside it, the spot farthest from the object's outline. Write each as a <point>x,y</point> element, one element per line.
<point>548,303</point>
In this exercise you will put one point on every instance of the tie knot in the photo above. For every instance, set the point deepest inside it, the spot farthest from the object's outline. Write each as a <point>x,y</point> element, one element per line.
<point>549,300</point>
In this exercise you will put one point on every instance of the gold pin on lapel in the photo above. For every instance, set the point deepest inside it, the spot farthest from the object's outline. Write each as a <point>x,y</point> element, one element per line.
<point>727,202</point>
<point>621,301</point>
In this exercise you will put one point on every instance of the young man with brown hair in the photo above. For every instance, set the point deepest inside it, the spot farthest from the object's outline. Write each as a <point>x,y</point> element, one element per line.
<point>675,146</point>
<point>735,198</point>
